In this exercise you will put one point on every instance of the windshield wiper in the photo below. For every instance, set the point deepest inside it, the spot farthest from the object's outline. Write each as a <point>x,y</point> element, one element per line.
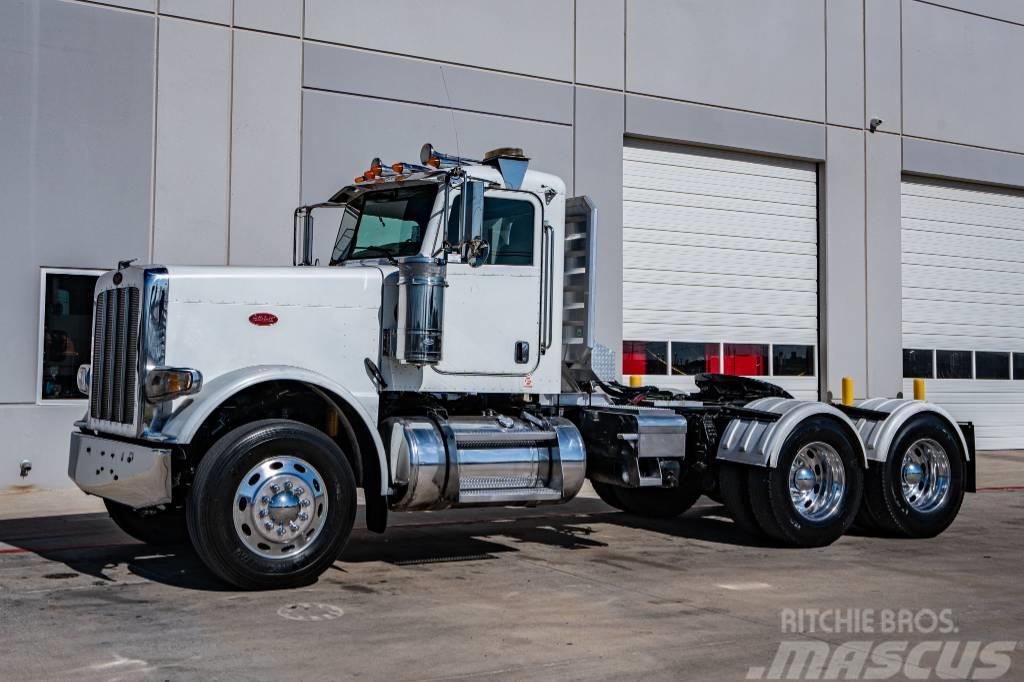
<point>366,250</point>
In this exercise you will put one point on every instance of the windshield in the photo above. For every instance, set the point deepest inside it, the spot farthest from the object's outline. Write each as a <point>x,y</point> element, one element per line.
<point>386,223</point>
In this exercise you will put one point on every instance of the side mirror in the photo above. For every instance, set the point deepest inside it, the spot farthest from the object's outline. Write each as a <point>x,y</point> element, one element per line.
<point>475,252</point>
<point>472,218</point>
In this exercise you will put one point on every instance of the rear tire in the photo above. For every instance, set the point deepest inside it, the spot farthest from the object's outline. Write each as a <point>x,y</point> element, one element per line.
<point>272,505</point>
<point>160,526</point>
<point>930,505</point>
<point>606,492</point>
<point>813,494</point>
<point>732,483</point>
<point>654,503</point>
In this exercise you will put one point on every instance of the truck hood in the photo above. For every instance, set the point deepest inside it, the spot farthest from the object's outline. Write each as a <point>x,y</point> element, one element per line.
<point>333,287</point>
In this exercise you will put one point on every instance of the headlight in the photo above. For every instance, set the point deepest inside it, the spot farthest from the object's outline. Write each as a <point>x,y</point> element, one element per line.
<point>84,378</point>
<point>167,383</point>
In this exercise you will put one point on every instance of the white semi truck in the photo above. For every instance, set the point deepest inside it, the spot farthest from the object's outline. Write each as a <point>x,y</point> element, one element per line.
<point>434,345</point>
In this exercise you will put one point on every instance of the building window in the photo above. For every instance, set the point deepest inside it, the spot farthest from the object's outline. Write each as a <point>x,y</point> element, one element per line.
<point>792,361</point>
<point>745,359</point>
<point>989,365</point>
<point>917,363</point>
<point>953,364</point>
<point>694,358</point>
<point>644,357</point>
<point>65,332</point>
<point>1018,366</point>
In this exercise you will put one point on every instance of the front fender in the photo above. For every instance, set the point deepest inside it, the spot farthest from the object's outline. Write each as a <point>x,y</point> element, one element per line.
<point>759,443</point>
<point>878,435</point>
<point>186,419</point>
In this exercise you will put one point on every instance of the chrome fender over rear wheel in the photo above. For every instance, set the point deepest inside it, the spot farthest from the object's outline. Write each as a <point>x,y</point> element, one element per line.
<point>272,505</point>
<point>917,491</point>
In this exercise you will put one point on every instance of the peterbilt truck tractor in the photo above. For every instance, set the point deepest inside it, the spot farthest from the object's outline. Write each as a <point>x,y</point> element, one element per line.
<point>434,344</point>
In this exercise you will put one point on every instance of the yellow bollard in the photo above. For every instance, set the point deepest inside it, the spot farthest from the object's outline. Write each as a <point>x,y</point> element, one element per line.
<point>847,391</point>
<point>635,380</point>
<point>918,389</point>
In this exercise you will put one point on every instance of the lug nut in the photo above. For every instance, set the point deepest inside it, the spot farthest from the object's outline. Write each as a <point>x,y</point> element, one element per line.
<point>275,487</point>
<point>300,490</point>
<point>268,525</point>
<point>287,485</point>
<point>265,500</point>
<point>280,530</point>
<point>263,513</point>
<point>303,516</point>
<point>293,525</point>
<point>305,503</point>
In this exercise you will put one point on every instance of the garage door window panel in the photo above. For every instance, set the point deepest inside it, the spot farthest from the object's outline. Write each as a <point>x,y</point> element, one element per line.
<point>918,363</point>
<point>792,361</point>
<point>953,364</point>
<point>690,358</point>
<point>745,359</point>
<point>644,357</point>
<point>990,365</point>
<point>1018,366</point>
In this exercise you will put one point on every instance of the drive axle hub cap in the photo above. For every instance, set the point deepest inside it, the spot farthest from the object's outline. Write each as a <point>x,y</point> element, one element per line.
<point>924,475</point>
<point>280,507</point>
<point>817,482</point>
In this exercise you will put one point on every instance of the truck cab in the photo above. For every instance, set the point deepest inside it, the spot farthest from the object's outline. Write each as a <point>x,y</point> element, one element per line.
<point>434,345</point>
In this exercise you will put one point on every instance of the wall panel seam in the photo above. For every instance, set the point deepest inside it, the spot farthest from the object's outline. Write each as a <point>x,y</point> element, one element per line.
<point>436,106</point>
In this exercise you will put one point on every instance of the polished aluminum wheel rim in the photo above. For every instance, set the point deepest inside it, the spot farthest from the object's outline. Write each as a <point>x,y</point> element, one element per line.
<point>924,475</point>
<point>817,482</point>
<point>280,507</point>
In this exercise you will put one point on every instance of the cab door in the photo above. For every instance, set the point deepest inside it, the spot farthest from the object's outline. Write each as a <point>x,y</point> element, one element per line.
<point>492,313</point>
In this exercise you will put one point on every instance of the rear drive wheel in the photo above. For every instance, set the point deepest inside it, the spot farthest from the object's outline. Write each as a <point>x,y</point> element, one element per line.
<point>813,494</point>
<point>160,526</point>
<point>607,493</point>
<point>272,505</point>
<point>732,483</point>
<point>918,490</point>
<point>659,503</point>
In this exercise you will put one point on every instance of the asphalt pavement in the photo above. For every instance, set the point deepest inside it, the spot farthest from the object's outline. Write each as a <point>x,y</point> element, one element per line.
<point>579,591</point>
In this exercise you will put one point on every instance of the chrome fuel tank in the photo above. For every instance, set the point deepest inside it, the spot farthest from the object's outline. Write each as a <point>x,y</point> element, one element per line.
<point>483,460</point>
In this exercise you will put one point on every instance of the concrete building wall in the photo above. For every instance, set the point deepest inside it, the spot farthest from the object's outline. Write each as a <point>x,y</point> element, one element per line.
<point>186,131</point>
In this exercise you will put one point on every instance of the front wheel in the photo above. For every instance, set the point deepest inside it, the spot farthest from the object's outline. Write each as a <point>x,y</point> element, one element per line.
<point>272,505</point>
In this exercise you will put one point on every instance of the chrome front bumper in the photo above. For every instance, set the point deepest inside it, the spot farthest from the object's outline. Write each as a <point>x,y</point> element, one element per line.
<point>135,475</point>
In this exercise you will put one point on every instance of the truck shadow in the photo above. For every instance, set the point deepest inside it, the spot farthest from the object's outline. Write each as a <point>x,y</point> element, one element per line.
<point>91,545</point>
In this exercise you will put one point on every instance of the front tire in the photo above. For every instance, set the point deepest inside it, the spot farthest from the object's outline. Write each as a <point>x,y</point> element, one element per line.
<point>272,505</point>
<point>161,526</point>
<point>918,490</point>
<point>813,494</point>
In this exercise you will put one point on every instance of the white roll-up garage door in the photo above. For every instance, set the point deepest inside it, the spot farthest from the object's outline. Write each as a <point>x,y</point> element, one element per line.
<point>720,266</point>
<point>963,303</point>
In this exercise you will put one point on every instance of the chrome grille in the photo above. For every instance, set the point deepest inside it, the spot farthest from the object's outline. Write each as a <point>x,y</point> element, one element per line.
<point>115,356</point>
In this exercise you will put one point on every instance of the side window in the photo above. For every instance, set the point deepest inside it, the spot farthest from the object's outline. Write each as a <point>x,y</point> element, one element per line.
<point>508,228</point>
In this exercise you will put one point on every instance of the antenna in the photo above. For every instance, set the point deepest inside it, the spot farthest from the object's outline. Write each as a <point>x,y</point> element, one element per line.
<point>455,129</point>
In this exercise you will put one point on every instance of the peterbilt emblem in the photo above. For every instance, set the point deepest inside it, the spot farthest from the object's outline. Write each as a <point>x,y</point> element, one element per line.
<point>263,319</point>
<point>118,277</point>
